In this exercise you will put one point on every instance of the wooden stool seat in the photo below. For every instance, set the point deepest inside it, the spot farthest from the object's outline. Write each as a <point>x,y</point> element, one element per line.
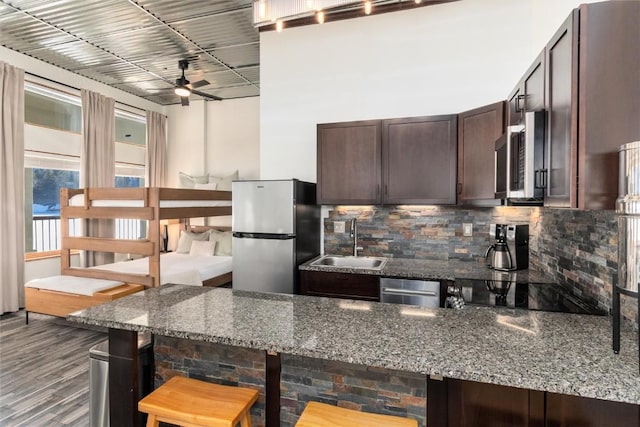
<point>323,415</point>
<point>193,403</point>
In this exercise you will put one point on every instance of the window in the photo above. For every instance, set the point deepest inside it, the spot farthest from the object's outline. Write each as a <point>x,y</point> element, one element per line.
<point>130,128</point>
<point>52,109</point>
<point>53,126</point>
<point>42,190</point>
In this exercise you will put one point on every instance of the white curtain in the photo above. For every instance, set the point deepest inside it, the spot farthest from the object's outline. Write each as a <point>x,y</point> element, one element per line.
<point>97,162</point>
<point>11,188</point>
<point>156,149</point>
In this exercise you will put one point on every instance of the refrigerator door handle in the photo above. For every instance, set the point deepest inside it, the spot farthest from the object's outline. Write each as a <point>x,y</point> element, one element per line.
<point>270,236</point>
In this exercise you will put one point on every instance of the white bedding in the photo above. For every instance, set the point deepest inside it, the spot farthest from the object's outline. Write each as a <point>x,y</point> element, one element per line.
<point>78,200</point>
<point>182,269</point>
<point>73,285</point>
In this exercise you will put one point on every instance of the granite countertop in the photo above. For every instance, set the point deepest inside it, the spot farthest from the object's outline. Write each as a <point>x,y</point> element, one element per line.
<point>440,270</point>
<point>561,353</point>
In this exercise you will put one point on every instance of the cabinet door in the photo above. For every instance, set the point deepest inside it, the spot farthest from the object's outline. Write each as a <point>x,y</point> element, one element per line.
<point>349,162</point>
<point>609,93</point>
<point>478,131</point>
<point>477,404</point>
<point>533,85</point>
<point>515,103</point>
<point>561,99</point>
<point>566,411</point>
<point>340,285</point>
<point>419,160</point>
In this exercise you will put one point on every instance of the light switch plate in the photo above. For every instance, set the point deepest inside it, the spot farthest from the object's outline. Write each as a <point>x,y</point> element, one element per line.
<point>467,229</point>
<point>338,227</point>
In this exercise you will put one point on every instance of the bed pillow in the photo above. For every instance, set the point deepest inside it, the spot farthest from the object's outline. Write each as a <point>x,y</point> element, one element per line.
<point>224,182</point>
<point>206,247</point>
<point>187,237</point>
<point>207,186</point>
<point>188,181</point>
<point>223,242</point>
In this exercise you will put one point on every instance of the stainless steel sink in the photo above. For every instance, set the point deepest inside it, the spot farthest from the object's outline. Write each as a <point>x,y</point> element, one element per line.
<point>359,262</point>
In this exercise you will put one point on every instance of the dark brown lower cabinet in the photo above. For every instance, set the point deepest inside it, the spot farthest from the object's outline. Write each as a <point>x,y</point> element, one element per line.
<point>457,403</point>
<point>478,404</point>
<point>575,411</point>
<point>340,285</point>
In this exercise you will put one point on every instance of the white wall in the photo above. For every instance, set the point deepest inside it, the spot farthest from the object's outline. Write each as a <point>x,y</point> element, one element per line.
<point>215,138</point>
<point>431,60</point>
<point>233,137</point>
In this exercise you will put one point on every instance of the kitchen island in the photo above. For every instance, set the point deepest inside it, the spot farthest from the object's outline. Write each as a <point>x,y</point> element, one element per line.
<point>549,354</point>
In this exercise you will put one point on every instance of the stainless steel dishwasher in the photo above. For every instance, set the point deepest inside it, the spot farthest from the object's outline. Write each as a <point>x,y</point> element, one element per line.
<point>425,293</point>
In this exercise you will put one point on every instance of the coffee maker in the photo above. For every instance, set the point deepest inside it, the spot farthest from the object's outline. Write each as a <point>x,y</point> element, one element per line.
<point>510,247</point>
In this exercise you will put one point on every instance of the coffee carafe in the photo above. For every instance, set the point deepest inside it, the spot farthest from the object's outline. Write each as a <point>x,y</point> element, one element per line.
<point>498,256</point>
<point>510,251</point>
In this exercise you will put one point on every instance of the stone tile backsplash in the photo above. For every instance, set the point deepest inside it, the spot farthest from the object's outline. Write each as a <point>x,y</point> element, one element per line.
<point>421,232</point>
<point>579,248</point>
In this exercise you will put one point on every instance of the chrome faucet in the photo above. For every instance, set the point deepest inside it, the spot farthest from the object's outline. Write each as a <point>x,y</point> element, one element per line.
<point>354,235</point>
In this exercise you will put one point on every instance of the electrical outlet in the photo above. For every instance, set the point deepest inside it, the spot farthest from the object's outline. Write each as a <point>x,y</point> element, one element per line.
<point>338,227</point>
<point>467,229</point>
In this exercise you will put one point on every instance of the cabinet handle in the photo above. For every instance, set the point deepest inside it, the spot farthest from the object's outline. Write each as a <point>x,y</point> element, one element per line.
<point>377,190</point>
<point>459,188</point>
<point>519,106</point>
<point>386,189</point>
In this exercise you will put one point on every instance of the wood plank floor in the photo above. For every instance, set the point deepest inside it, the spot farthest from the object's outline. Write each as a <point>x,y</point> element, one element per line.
<point>44,371</point>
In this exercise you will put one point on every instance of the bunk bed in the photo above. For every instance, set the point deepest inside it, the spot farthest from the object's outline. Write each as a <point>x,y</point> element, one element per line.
<point>78,288</point>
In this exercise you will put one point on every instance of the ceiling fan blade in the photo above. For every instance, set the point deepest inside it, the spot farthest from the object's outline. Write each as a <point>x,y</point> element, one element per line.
<point>199,84</point>
<point>206,95</point>
<point>184,100</point>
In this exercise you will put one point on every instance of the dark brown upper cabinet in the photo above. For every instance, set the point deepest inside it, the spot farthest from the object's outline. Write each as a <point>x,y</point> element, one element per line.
<point>478,130</point>
<point>562,103</point>
<point>529,93</point>
<point>419,160</point>
<point>395,161</point>
<point>349,165</point>
<point>592,92</point>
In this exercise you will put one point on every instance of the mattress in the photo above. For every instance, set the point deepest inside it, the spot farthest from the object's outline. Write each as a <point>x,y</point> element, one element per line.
<point>72,284</point>
<point>181,269</point>
<point>78,200</point>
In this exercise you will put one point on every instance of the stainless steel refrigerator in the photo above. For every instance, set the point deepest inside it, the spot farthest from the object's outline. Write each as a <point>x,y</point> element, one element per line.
<point>276,227</point>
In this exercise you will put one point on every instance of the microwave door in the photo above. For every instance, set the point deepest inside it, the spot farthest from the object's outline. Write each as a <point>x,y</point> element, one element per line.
<point>515,161</point>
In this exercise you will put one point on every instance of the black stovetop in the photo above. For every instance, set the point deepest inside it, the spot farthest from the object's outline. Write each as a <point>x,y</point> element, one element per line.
<point>532,296</point>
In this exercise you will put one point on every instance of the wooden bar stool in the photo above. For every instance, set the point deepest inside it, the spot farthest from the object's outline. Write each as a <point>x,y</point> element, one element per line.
<point>192,403</point>
<point>323,415</point>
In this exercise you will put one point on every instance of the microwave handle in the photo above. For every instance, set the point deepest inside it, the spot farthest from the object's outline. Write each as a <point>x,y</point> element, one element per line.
<point>519,106</point>
<point>540,180</point>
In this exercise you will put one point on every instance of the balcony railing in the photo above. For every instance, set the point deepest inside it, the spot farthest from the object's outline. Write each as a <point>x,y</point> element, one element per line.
<point>46,231</point>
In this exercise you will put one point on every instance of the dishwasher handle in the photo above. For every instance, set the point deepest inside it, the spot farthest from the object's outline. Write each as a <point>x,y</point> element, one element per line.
<point>397,291</point>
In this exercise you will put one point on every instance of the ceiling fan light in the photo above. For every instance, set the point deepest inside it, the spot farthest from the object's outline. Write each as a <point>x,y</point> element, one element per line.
<point>182,91</point>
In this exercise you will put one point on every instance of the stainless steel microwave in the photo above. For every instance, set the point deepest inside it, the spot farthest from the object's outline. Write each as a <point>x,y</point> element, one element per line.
<point>519,161</point>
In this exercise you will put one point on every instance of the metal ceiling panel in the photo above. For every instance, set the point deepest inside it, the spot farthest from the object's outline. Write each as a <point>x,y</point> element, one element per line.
<point>238,56</point>
<point>115,73</point>
<point>167,66</point>
<point>222,79</point>
<point>211,32</point>
<point>22,33</point>
<point>87,18</point>
<point>171,10</point>
<point>250,73</point>
<point>142,43</point>
<point>240,91</point>
<point>135,45</point>
<point>75,55</point>
<point>144,88</point>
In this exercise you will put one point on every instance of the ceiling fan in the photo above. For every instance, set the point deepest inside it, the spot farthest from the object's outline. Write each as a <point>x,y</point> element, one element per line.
<point>184,87</point>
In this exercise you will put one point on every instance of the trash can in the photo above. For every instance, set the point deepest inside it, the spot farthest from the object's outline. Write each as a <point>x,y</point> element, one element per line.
<point>99,378</point>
